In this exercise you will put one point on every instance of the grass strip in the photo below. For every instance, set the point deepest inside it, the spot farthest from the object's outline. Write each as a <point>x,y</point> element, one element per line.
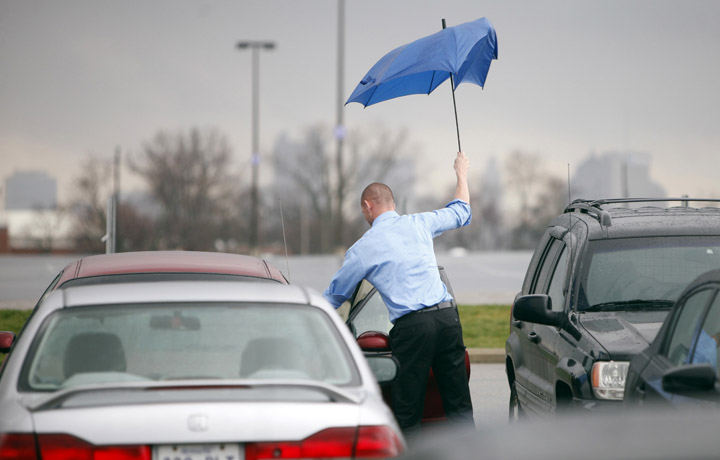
<point>485,326</point>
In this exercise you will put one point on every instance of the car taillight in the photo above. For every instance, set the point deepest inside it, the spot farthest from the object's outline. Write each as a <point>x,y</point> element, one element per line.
<point>363,442</point>
<point>17,446</point>
<point>67,447</point>
<point>377,442</point>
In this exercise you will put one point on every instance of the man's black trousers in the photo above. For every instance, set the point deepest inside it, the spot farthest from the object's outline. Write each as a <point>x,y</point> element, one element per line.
<point>422,340</point>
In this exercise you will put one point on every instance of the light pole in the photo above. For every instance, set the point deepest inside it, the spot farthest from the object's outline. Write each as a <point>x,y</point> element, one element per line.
<point>255,47</point>
<point>339,126</point>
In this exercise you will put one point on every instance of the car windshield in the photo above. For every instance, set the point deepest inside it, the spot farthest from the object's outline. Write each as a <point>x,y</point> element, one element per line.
<point>643,273</point>
<point>128,343</point>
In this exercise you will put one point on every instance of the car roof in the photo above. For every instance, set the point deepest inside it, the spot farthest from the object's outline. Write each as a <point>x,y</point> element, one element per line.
<point>182,291</point>
<point>647,221</point>
<point>171,262</point>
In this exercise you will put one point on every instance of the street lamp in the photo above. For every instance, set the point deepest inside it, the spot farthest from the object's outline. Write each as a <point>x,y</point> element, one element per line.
<point>255,47</point>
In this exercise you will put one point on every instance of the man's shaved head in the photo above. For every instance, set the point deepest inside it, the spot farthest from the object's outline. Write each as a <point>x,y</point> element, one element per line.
<point>378,193</point>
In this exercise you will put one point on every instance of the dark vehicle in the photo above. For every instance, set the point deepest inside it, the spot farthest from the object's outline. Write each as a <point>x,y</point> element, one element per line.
<point>657,435</point>
<point>599,285</point>
<point>367,318</point>
<point>680,368</point>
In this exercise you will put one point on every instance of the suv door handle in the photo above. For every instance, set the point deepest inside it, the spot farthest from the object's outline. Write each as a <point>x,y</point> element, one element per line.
<point>534,338</point>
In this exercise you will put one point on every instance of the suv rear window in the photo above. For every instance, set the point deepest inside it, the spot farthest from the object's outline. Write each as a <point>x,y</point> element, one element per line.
<point>654,270</point>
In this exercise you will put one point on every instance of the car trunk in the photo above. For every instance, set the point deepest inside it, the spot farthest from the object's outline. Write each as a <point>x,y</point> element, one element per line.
<point>165,422</point>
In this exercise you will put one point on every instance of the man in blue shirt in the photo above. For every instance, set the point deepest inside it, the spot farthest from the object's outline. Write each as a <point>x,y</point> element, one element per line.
<point>396,255</point>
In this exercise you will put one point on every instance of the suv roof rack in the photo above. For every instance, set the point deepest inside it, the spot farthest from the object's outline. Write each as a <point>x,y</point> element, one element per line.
<point>594,207</point>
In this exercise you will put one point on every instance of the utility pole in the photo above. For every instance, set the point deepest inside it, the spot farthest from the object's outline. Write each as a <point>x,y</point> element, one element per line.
<point>255,47</point>
<point>339,127</point>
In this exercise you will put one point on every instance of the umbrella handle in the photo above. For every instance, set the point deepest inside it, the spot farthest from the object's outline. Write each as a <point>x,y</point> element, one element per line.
<point>452,88</point>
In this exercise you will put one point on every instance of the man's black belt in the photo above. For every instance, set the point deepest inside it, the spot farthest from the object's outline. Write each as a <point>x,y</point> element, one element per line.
<point>437,306</point>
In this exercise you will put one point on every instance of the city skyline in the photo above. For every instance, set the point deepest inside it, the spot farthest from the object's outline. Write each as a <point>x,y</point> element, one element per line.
<point>572,78</point>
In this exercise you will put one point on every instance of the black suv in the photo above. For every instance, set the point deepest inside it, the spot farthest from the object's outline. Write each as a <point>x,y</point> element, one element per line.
<point>599,285</point>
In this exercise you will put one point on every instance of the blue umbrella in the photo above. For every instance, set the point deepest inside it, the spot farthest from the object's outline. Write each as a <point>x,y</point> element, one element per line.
<point>462,53</point>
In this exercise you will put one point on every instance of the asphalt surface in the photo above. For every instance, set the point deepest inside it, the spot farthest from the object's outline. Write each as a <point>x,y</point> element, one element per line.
<point>490,395</point>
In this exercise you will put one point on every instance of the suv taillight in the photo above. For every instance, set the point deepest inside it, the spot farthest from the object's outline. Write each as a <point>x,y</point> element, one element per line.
<point>17,446</point>
<point>363,442</point>
<point>67,447</point>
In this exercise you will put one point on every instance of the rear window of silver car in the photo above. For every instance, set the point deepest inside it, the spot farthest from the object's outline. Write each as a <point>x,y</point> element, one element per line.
<point>133,343</point>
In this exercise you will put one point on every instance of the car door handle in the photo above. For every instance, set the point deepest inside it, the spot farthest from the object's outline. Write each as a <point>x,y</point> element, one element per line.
<point>534,338</point>
<point>516,323</point>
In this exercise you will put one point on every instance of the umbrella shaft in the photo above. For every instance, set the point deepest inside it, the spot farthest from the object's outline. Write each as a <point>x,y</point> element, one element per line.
<point>452,88</point>
<point>457,126</point>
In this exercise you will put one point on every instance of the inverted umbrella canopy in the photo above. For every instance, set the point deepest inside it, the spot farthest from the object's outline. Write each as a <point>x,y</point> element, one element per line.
<point>465,51</point>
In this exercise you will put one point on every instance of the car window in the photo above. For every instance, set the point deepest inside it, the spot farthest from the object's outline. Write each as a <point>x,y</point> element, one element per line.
<point>706,347</point>
<point>686,322</point>
<point>123,343</point>
<point>362,291</point>
<point>50,287</point>
<point>557,282</point>
<point>547,265</point>
<point>373,316</point>
<point>658,268</point>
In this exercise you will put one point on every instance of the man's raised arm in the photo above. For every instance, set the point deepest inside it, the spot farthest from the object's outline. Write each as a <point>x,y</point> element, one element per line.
<point>462,164</point>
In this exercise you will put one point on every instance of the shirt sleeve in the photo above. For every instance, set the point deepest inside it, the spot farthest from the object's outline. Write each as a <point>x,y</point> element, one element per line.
<point>346,279</point>
<point>455,214</point>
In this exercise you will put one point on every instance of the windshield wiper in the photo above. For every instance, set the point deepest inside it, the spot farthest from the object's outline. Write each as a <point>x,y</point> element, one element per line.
<point>633,305</point>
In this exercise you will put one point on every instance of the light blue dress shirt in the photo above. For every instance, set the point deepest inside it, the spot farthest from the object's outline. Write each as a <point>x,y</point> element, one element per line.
<point>396,255</point>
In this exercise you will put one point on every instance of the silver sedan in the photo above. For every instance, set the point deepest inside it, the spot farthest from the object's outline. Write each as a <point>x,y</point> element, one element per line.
<point>192,370</point>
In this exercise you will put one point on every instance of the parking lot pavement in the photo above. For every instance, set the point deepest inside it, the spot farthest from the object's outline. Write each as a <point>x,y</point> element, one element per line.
<point>490,393</point>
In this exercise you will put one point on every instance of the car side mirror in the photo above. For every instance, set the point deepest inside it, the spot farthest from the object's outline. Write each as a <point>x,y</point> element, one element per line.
<point>384,368</point>
<point>6,340</point>
<point>374,341</point>
<point>536,308</point>
<point>689,378</point>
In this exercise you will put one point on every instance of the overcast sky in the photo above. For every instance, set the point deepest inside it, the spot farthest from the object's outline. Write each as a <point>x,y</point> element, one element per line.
<point>574,77</point>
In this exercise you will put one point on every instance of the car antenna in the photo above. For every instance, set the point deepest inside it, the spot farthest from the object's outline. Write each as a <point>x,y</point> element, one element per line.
<point>568,279</point>
<point>569,196</point>
<point>282,223</point>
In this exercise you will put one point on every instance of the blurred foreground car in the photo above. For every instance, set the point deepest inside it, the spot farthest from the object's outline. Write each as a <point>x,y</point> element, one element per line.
<point>191,370</point>
<point>658,435</point>
<point>367,317</point>
<point>680,367</point>
<point>599,285</point>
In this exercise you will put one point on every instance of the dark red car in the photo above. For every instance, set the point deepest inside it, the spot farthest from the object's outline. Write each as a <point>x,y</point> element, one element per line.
<point>367,318</point>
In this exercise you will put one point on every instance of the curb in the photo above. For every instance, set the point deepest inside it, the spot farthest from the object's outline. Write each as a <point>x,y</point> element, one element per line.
<point>486,355</point>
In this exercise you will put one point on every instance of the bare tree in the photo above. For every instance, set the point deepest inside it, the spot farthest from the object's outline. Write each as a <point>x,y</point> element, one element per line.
<point>541,197</point>
<point>188,175</point>
<point>524,175</point>
<point>88,204</point>
<point>308,191</point>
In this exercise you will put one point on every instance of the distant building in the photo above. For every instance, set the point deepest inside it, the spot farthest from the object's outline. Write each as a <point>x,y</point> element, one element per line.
<point>615,175</point>
<point>30,190</point>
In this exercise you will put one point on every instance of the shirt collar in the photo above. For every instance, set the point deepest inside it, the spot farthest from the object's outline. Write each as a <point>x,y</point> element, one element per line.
<point>384,216</point>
